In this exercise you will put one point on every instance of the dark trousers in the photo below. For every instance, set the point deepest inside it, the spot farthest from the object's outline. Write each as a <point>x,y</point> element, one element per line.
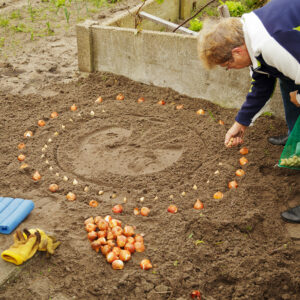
<point>292,112</point>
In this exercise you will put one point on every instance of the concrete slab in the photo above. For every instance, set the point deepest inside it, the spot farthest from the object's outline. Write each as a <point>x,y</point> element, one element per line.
<point>43,206</point>
<point>7,271</point>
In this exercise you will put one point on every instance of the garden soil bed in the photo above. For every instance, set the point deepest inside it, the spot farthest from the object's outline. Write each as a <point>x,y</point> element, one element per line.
<point>235,248</point>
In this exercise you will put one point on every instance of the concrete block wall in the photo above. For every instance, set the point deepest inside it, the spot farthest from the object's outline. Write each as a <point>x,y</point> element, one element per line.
<point>163,59</point>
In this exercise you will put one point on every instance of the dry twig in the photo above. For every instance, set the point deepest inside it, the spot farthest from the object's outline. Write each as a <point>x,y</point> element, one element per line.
<point>193,16</point>
<point>137,18</point>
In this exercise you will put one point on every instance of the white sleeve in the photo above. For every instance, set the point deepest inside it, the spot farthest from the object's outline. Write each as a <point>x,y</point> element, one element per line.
<point>275,55</point>
<point>259,41</point>
<point>298,98</point>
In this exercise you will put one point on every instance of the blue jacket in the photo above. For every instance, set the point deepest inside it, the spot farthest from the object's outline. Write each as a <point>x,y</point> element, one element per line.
<point>272,38</point>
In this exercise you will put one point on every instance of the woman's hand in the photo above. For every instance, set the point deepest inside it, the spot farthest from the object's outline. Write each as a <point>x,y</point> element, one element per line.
<point>294,99</point>
<point>234,135</point>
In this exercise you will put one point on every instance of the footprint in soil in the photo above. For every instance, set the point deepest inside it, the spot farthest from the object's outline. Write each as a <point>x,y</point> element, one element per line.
<point>114,150</point>
<point>9,70</point>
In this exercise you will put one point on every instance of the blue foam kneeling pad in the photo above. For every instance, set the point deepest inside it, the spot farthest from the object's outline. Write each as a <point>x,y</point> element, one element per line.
<point>12,212</point>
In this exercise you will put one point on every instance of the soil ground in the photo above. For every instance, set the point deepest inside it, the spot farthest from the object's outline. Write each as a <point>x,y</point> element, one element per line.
<point>235,248</point>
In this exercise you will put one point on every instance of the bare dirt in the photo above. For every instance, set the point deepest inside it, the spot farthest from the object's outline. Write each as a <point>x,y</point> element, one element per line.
<point>235,248</point>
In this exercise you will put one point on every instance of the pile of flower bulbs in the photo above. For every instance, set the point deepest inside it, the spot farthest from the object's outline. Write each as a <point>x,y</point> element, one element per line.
<point>293,161</point>
<point>117,244</point>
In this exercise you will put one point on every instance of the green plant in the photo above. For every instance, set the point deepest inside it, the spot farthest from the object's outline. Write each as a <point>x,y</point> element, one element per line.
<point>190,236</point>
<point>195,25</point>
<point>198,242</point>
<point>2,40</point>
<point>158,1</point>
<point>86,8</point>
<point>50,31</point>
<point>236,9</point>
<point>20,28</point>
<point>4,22</point>
<point>253,4</point>
<point>31,11</point>
<point>211,115</point>
<point>249,228</point>
<point>16,14</point>
<point>267,114</point>
<point>219,243</point>
<point>58,4</point>
<point>67,14</point>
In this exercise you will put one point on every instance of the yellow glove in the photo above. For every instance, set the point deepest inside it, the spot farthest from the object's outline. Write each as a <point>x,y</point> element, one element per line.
<point>22,249</point>
<point>48,243</point>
